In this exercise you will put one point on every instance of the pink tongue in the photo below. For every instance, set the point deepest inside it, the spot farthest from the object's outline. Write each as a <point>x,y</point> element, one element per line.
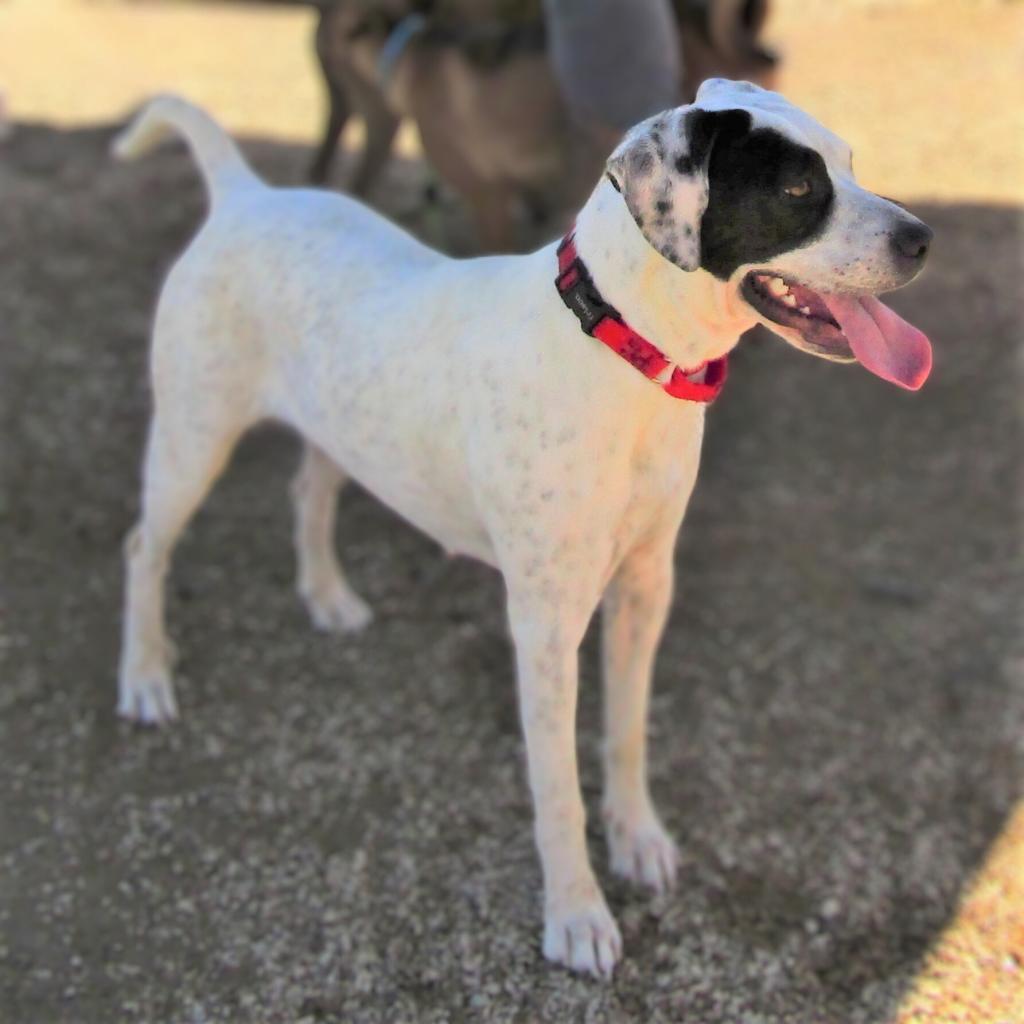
<point>882,341</point>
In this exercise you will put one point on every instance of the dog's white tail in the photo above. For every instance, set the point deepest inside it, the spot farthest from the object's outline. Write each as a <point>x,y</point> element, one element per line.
<point>219,159</point>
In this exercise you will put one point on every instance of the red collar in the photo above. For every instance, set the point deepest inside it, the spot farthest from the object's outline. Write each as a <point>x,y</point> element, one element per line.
<point>602,321</point>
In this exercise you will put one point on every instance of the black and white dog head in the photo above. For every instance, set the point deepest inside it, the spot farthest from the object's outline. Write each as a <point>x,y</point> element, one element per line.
<point>746,187</point>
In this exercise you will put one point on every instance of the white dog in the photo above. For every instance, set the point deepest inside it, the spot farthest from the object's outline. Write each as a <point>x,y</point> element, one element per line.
<point>468,396</point>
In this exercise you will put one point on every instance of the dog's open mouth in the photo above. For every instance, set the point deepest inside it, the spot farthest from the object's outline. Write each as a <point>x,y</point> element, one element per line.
<point>794,306</point>
<point>843,327</point>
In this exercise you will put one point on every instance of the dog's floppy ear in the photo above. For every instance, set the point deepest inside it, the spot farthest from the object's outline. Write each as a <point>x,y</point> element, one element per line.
<point>661,169</point>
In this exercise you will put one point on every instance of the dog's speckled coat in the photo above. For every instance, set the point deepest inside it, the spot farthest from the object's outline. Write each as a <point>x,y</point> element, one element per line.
<point>464,395</point>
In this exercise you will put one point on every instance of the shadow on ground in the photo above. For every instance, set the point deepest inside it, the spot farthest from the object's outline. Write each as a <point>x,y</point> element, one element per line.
<point>340,830</point>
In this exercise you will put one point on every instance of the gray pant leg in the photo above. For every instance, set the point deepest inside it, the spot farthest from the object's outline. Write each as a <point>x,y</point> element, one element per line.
<point>617,61</point>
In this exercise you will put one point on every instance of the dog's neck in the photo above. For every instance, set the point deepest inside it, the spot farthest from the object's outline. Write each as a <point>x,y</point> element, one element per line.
<point>691,317</point>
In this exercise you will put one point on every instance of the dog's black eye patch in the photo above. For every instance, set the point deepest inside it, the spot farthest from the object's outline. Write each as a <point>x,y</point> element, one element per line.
<point>704,127</point>
<point>749,217</point>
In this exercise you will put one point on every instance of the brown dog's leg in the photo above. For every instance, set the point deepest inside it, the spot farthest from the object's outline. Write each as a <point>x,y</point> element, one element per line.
<point>338,110</point>
<point>381,125</point>
<point>337,115</point>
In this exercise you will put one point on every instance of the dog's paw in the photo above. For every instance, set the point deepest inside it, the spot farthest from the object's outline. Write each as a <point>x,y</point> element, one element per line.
<point>642,851</point>
<point>337,610</point>
<point>147,696</point>
<point>584,938</point>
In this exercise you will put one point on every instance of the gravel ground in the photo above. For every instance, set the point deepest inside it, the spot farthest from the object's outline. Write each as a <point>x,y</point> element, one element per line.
<point>339,829</point>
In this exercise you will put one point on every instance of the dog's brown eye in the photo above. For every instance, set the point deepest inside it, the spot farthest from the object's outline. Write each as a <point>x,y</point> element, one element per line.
<point>798,191</point>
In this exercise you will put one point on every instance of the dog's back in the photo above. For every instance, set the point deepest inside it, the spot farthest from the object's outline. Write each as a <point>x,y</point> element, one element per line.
<point>305,306</point>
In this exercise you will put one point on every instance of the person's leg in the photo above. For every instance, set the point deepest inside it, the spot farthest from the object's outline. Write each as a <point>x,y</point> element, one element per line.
<point>616,61</point>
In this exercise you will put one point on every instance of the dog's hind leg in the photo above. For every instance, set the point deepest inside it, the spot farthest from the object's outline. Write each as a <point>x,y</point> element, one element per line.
<point>634,612</point>
<point>180,468</point>
<point>381,126</point>
<point>337,115</point>
<point>325,45</point>
<point>332,603</point>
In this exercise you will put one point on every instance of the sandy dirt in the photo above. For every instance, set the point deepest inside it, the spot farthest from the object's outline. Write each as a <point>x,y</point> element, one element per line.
<point>339,830</point>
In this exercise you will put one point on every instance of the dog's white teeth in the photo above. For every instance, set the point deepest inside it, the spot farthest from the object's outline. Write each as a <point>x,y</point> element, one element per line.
<point>789,300</point>
<point>777,286</point>
<point>806,310</point>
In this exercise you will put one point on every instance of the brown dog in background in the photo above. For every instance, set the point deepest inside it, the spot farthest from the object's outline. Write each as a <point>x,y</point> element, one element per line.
<point>475,78</point>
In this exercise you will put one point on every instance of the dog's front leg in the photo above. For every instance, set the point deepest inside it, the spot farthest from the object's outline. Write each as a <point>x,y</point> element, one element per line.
<point>579,930</point>
<point>634,612</point>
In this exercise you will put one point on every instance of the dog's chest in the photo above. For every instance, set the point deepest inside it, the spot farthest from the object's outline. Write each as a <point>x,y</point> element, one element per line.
<point>661,472</point>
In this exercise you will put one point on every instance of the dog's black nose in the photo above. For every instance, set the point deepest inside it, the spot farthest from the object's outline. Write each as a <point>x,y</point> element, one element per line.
<point>910,241</point>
